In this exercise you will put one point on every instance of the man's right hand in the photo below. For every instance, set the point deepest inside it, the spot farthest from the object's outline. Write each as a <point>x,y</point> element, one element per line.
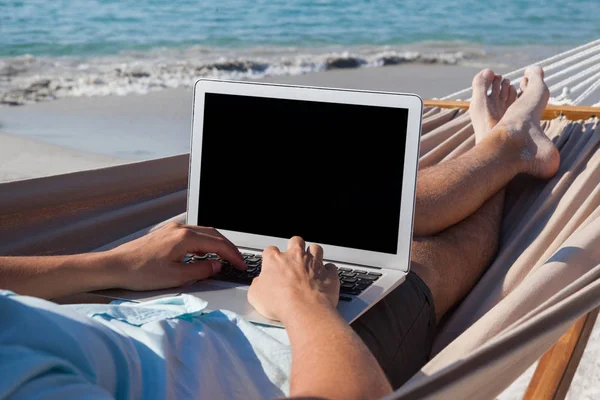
<point>292,279</point>
<point>329,361</point>
<point>154,261</point>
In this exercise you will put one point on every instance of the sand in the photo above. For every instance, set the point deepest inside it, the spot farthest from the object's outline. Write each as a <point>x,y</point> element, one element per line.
<point>138,127</point>
<point>22,158</point>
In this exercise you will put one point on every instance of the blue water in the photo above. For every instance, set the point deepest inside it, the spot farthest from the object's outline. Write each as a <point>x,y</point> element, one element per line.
<point>104,27</point>
<point>51,49</point>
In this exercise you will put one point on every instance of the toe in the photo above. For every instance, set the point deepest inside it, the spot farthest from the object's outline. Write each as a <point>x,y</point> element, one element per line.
<point>534,77</point>
<point>512,95</point>
<point>505,89</point>
<point>482,81</point>
<point>496,84</point>
<point>534,72</point>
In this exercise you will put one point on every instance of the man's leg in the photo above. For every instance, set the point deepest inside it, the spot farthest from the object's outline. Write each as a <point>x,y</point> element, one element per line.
<point>399,329</point>
<point>452,261</point>
<point>451,191</point>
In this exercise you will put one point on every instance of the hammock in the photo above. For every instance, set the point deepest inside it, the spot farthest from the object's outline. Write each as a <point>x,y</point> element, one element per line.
<point>573,76</point>
<point>546,275</point>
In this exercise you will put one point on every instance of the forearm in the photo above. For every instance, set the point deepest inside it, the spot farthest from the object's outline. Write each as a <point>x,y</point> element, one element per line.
<point>329,360</point>
<point>56,276</point>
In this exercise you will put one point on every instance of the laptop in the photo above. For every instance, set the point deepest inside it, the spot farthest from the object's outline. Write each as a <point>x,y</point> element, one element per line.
<point>336,167</point>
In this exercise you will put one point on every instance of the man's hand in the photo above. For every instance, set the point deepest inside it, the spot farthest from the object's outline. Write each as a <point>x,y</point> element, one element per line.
<point>329,361</point>
<point>150,262</point>
<point>293,278</point>
<point>154,261</point>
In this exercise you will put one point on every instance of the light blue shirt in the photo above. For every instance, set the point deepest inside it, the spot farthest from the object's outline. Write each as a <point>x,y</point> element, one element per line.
<point>160,349</point>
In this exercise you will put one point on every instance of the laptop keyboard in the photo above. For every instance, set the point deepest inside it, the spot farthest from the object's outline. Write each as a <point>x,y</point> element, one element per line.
<point>352,281</point>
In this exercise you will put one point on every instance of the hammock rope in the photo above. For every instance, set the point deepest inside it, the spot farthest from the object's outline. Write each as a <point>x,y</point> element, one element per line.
<point>577,69</point>
<point>574,78</point>
<point>589,90</point>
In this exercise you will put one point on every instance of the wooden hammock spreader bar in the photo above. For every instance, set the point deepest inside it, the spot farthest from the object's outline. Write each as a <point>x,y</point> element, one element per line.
<point>572,113</point>
<point>556,369</point>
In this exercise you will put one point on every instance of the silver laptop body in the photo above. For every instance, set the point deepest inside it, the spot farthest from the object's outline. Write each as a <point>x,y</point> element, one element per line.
<point>337,167</point>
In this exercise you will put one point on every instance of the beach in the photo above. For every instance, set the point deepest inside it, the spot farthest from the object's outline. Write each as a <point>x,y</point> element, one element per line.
<point>108,83</point>
<point>98,84</point>
<point>77,133</point>
<point>24,158</point>
<point>88,85</point>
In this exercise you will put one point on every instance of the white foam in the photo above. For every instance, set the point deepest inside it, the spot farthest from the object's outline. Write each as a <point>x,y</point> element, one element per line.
<point>29,79</point>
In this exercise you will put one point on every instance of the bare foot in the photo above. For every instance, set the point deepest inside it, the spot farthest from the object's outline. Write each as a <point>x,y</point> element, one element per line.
<point>486,110</point>
<point>521,124</point>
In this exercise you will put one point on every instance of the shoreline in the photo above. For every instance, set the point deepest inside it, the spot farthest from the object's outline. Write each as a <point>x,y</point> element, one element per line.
<point>29,79</point>
<point>157,124</point>
<point>79,133</point>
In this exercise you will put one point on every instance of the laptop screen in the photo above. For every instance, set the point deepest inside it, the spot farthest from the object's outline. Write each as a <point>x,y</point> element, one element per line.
<point>330,173</point>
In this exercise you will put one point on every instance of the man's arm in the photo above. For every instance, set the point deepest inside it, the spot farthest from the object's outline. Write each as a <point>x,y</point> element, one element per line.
<point>328,359</point>
<point>50,277</point>
<point>150,262</point>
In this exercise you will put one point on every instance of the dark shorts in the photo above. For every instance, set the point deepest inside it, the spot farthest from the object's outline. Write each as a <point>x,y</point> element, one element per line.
<point>399,330</point>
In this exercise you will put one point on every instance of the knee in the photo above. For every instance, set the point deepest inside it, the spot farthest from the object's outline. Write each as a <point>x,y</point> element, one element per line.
<point>427,259</point>
<point>434,259</point>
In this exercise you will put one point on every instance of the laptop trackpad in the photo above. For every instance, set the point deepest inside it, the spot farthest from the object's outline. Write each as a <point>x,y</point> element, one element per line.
<point>227,296</point>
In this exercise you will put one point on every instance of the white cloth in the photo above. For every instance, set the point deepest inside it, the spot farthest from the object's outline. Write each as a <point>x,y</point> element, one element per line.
<point>164,348</point>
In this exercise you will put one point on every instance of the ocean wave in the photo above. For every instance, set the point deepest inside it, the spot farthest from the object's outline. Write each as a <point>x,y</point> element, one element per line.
<point>30,79</point>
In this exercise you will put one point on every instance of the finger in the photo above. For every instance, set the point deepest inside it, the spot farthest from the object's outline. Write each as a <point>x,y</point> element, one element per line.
<point>270,251</point>
<point>330,267</point>
<point>197,271</point>
<point>317,252</point>
<point>296,243</point>
<point>211,232</point>
<point>195,241</point>
<point>332,271</point>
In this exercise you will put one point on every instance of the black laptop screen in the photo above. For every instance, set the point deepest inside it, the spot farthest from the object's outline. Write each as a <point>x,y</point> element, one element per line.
<point>331,173</point>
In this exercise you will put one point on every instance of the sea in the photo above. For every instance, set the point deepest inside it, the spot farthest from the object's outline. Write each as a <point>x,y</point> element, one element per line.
<point>62,48</point>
